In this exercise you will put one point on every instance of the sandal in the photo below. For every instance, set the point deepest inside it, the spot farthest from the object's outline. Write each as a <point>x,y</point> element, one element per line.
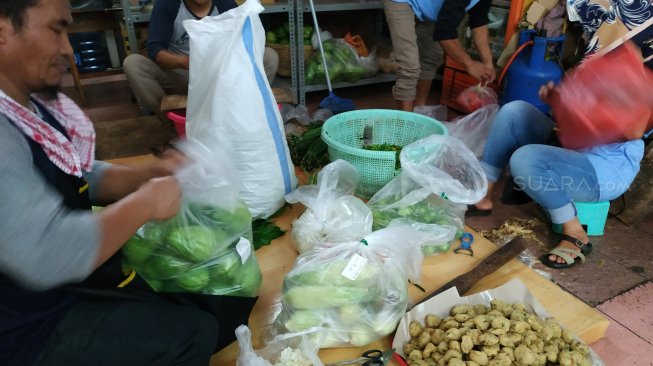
<point>473,211</point>
<point>580,252</point>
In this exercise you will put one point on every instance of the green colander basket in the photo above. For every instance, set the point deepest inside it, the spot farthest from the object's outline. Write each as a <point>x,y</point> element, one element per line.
<point>346,133</point>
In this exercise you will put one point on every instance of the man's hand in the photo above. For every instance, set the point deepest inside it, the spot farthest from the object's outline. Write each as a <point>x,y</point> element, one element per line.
<point>481,71</point>
<point>169,60</point>
<point>156,199</point>
<point>162,196</point>
<point>170,160</point>
<point>546,92</point>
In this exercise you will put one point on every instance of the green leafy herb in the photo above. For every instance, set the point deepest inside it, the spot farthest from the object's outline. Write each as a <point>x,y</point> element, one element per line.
<point>307,150</point>
<point>387,147</point>
<point>264,231</point>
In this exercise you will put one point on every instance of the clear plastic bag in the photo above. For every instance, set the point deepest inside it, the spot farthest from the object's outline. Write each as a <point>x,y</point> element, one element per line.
<point>402,201</point>
<point>299,113</point>
<point>445,166</point>
<point>332,213</point>
<point>322,114</point>
<point>284,350</point>
<point>437,112</point>
<point>477,96</point>
<point>206,248</point>
<point>355,292</point>
<point>343,63</point>
<point>439,176</point>
<point>474,128</point>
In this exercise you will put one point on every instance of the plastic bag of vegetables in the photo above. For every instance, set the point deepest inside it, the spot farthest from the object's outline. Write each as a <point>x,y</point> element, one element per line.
<point>206,248</point>
<point>332,213</point>
<point>292,349</point>
<point>439,175</point>
<point>353,292</point>
<point>341,59</point>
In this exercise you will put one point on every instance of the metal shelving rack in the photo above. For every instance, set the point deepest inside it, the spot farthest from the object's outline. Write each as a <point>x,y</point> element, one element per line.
<point>333,5</point>
<point>132,16</point>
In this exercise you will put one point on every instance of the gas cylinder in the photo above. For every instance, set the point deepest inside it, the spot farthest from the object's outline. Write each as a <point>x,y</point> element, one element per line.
<point>534,67</point>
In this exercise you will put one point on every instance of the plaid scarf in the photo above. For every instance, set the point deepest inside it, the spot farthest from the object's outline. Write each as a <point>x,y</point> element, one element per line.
<point>71,156</point>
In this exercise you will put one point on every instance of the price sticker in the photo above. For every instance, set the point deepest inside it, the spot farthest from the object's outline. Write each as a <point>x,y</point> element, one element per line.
<point>354,267</point>
<point>244,249</point>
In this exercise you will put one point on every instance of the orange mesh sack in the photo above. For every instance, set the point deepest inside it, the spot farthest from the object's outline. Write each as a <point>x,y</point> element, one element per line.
<point>607,99</point>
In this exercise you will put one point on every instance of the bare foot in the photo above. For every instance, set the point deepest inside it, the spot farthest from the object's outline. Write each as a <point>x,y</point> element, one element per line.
<point>484,204</point>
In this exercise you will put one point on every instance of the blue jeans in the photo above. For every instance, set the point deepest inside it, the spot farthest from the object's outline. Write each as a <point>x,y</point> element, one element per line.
<point>553,176</point>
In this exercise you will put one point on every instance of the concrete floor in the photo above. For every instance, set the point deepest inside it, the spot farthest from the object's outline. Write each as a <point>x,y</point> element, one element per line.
<point>616,279</point>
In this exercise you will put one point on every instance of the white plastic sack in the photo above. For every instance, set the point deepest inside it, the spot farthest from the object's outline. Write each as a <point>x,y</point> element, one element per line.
<point>474,128</point>
<point>332,213</point>
<point>284,350</point>
<point>355,292</point>
<point>445,166</point>
<point>229,96</point>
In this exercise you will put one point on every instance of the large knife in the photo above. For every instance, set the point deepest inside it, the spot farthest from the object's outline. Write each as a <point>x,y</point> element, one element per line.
<point>489,264</point>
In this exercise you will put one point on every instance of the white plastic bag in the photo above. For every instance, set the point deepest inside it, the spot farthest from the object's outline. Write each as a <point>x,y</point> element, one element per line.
<point>438,112</point>
<point>445,166</point>
<point>284,350</point>
<point>354,292</point>
<point>474,128</point>
<point>332,213</point>
<point>229,96</point>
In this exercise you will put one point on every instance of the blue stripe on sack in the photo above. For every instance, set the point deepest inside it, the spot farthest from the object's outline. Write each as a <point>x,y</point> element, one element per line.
<point>270,115</point>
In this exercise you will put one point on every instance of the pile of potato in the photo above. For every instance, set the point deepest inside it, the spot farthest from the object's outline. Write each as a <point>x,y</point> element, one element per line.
<point>502,335</point>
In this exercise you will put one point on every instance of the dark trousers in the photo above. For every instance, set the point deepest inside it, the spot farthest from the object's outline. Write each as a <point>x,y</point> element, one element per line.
<point>126,333</point>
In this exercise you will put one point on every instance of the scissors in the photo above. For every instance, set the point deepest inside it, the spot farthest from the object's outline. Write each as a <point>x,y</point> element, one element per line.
<point>465,245</point>
<point>372,357</point>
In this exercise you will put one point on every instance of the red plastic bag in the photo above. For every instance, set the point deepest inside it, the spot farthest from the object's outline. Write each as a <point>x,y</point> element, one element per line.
<point>607,99</point>
<point>477,96</point>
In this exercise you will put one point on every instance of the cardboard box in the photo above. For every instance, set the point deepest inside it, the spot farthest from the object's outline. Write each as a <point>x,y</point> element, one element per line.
<point>512,292</point>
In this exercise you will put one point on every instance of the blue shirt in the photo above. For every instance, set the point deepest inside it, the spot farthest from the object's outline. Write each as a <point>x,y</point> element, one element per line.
<point>616,166</point>
<point>166,30</point>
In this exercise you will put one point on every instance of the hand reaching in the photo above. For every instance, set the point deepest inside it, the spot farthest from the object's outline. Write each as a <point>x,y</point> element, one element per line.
<point>163,196</point>
<point>546,91</point>
<point>483,72</point>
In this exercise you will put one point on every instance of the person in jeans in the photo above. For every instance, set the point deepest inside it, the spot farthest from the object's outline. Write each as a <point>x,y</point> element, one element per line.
<point>553,176</point>
<point>420,30</point>
<point>49,236</point>
<point>165,70</point>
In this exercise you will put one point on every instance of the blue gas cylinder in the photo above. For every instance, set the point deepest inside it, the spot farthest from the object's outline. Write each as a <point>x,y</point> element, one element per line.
<point>534,67</point>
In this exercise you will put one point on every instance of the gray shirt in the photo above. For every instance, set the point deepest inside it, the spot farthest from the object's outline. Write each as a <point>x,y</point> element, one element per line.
<point>43,244</point>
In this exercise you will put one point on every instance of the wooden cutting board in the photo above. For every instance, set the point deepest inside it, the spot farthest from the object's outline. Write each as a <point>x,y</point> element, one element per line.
<point>276,260</point>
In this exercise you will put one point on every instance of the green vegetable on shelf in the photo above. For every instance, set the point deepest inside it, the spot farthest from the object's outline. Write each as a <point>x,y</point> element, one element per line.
<point>307,32</point>
<point>270,37</point>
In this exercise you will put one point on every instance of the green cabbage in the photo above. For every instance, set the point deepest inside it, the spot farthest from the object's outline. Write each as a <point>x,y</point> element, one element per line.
<point>316,297</point>
<point>195,243</point>
<point>195,280</point>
